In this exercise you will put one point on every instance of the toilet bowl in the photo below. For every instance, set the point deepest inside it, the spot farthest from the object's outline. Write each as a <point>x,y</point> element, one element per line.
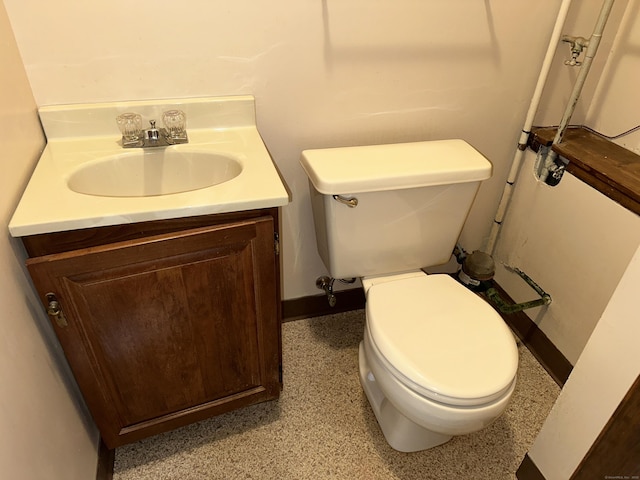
<point>436,360</point>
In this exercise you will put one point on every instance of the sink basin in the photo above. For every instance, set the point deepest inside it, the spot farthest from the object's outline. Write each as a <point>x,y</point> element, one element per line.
<point>145,173</point>
<point>86,179</point>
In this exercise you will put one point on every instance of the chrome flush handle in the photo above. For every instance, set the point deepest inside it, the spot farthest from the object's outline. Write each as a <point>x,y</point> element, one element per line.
<point>349,202</point>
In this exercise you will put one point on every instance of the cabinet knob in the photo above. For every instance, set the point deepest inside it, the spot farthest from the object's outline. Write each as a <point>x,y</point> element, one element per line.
<point>54,310</point>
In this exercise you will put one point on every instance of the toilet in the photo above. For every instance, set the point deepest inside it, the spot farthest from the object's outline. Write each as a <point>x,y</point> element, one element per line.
<point>436,360</point>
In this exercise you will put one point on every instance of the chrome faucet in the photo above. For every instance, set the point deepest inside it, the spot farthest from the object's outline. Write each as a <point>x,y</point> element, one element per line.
<point>173,133</point>
<point>152,134</point>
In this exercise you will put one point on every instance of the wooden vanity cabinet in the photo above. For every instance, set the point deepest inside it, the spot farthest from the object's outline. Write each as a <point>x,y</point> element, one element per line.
<point>165,323</point>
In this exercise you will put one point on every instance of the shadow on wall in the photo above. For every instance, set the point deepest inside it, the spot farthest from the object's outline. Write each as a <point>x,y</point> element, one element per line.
<point>427,33</point>
<point>59,367</point>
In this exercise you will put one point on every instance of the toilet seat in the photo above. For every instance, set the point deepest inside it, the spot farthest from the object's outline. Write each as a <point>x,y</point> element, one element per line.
<point>441,340</point>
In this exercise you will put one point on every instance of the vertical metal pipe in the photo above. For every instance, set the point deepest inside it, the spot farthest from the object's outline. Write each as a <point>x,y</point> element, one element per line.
<point>594,43</point>
<point>592,48</point>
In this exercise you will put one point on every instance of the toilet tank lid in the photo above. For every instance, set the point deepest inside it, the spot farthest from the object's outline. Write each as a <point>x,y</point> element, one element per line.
<point>376,168</point>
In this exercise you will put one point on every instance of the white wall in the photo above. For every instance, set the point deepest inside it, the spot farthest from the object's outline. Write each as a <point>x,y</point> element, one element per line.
<point>616,103</point>
<point>609,364</point>
<point>571,239</point>
<point>324,73</point>
<point>606,370</point>
<point>45,432</point>
<point>575,243</point>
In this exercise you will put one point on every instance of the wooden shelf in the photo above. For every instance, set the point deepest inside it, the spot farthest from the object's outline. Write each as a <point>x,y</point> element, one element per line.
<point>607,167</point>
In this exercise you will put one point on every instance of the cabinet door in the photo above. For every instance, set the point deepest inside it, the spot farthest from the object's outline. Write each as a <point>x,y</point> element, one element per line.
<point>171,329</point>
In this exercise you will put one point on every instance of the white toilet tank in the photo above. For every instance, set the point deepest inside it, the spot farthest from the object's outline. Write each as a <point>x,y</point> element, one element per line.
<point>412,201</point>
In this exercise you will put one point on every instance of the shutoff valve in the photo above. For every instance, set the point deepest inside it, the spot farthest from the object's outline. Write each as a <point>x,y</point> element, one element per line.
<point>577,45</point>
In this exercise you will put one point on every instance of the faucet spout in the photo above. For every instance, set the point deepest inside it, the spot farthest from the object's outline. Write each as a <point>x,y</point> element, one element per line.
<point>153,134</point>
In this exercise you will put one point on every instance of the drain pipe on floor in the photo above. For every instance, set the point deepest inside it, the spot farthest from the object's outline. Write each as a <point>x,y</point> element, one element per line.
<point>554,167</point>
<point>505,307</point>
<point>477,275</point>
<point>526,128</point>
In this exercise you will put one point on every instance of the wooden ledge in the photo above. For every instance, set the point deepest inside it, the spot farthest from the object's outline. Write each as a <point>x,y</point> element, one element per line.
<point>607,167</point>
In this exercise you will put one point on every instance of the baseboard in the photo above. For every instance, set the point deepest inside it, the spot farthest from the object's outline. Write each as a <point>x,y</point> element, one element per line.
<point>318,305</point>
<point>106,459</point>
<point>554,362</point>
<point>528,470</point>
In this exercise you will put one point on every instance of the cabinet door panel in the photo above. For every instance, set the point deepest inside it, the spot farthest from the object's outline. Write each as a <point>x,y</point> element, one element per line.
<point>160,325</point>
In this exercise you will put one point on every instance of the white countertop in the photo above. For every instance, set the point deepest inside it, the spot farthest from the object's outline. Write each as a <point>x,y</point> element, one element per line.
<point>49,205</point>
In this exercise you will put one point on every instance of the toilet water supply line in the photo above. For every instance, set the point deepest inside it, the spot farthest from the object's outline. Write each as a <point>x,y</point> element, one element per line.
<point>526,129</point>
<point>550,164</point>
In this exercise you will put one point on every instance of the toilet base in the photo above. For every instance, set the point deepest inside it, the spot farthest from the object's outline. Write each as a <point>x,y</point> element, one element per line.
<point>401,433</point>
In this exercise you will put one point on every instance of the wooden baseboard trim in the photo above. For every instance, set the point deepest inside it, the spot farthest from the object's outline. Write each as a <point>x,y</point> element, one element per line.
<point>318,305</point>
<point>528,470</point>
<point>547,354</point>
<point>106,459</point>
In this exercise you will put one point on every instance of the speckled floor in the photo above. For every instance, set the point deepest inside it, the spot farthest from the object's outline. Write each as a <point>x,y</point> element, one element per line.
<point>323,428</point>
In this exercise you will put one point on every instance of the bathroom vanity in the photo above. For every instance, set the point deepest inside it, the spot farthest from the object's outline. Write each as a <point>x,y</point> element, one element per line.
<point>167,306</point>
<point>165,323</point>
